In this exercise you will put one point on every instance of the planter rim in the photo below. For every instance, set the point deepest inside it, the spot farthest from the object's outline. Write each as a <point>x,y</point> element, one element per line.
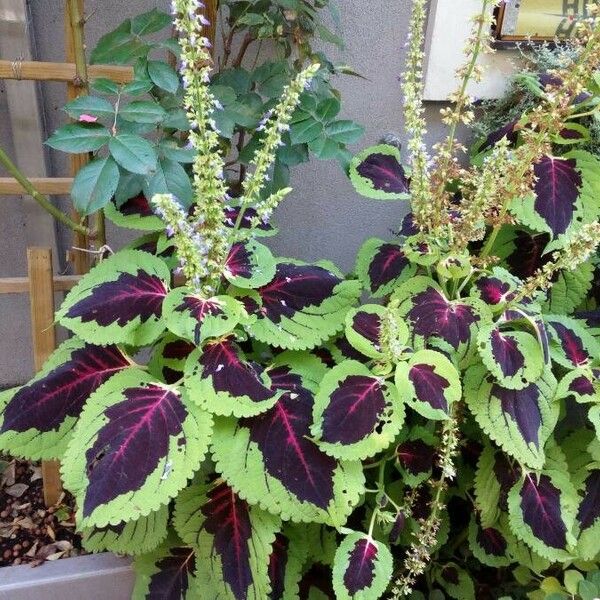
<point>64,572</point>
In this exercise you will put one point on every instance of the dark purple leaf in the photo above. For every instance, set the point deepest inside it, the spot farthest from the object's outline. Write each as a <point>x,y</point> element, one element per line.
<point>138,205</point>
<point>568,133</point>
<point>582,386</point>
<point>250,304</point>
<point>550,79</point>
<point>507,475</point>
<point>360,572</point>
<point>528,255</point>
<point>416,456</point>
<point>433,315</point>
<point>294,288</point>
<point>175,353</point>
<point>354,410</point>
<point>386,265</point>
<point>591,317</point>
<point>199,308</point>
<point>120,301</point>
<point>150,245</point>
<point>228,520</point>
<point>44,404</point>
<point>231,215</point>
<point>368,325</point>
<point>450,574</point>
<point>397,528</point>
<point>131,443</point>
<point>178,350</point>
<point>318,577</point>
<point>540,506</point>
<point>171,582</point>
<point>171,376</point>
<point>421,508</point>
<point>282,435</point>
<point>492,541</point>
<point>571,343</point>
<point>556,191</point>
<point>409,226</point>
<point>493,290</point>
<point>348,351</point>
<point>221,360</point>
<point>384,172</point>
<point>589,509</point>
<point>522,406</point>
<point>239,261</point>
<point>429,386</point>
<point>507,131</point>
<point>506,353</point>
<point>277,566</point>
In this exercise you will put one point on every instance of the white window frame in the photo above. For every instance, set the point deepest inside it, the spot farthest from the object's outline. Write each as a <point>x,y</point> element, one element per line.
<point>449,26</point>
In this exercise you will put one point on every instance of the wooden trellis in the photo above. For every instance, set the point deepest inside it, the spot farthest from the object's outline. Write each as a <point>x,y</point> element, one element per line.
<point>40,282</point>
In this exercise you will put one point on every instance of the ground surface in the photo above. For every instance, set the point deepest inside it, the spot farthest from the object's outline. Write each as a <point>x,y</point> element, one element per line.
<point>30,533</point>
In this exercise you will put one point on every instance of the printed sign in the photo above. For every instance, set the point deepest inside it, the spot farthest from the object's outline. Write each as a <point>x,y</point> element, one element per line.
<point>539,19</point>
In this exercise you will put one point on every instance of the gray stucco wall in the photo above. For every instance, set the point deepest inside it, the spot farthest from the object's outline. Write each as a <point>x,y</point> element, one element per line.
<point>324,218</point>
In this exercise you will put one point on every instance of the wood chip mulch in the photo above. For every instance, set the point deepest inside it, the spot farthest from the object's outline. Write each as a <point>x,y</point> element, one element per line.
<point>30,533</point>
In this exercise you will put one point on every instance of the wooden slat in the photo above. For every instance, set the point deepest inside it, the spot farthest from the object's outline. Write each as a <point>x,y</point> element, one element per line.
<point>20,285</point>
<point>41,295</point>
<point>49,186</point>
<point>75,52</point>
<point>48,71</point>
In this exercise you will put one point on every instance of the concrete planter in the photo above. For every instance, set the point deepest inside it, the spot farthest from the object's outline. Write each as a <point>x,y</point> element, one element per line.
<point>93,577</point>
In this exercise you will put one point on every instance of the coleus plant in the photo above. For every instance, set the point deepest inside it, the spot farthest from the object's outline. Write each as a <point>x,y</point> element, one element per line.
<point>260,454</point>
<point>493,478</point>
<point>137,132</point>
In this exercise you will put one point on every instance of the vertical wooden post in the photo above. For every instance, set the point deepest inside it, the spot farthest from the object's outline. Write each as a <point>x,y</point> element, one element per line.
<point>41,297</point>
<point>211,13</point>
<point>75,52</point>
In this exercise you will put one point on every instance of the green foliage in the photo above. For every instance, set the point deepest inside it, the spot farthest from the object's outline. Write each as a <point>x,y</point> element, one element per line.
<point>136,537</point>
<point>183,451</point>
<point>94,185</point>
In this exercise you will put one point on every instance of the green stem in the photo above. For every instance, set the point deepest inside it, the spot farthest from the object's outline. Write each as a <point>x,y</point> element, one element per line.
<point>40,198</point>
<point>489,244</point>
<point>467,79</point>
<point>77,23</point>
